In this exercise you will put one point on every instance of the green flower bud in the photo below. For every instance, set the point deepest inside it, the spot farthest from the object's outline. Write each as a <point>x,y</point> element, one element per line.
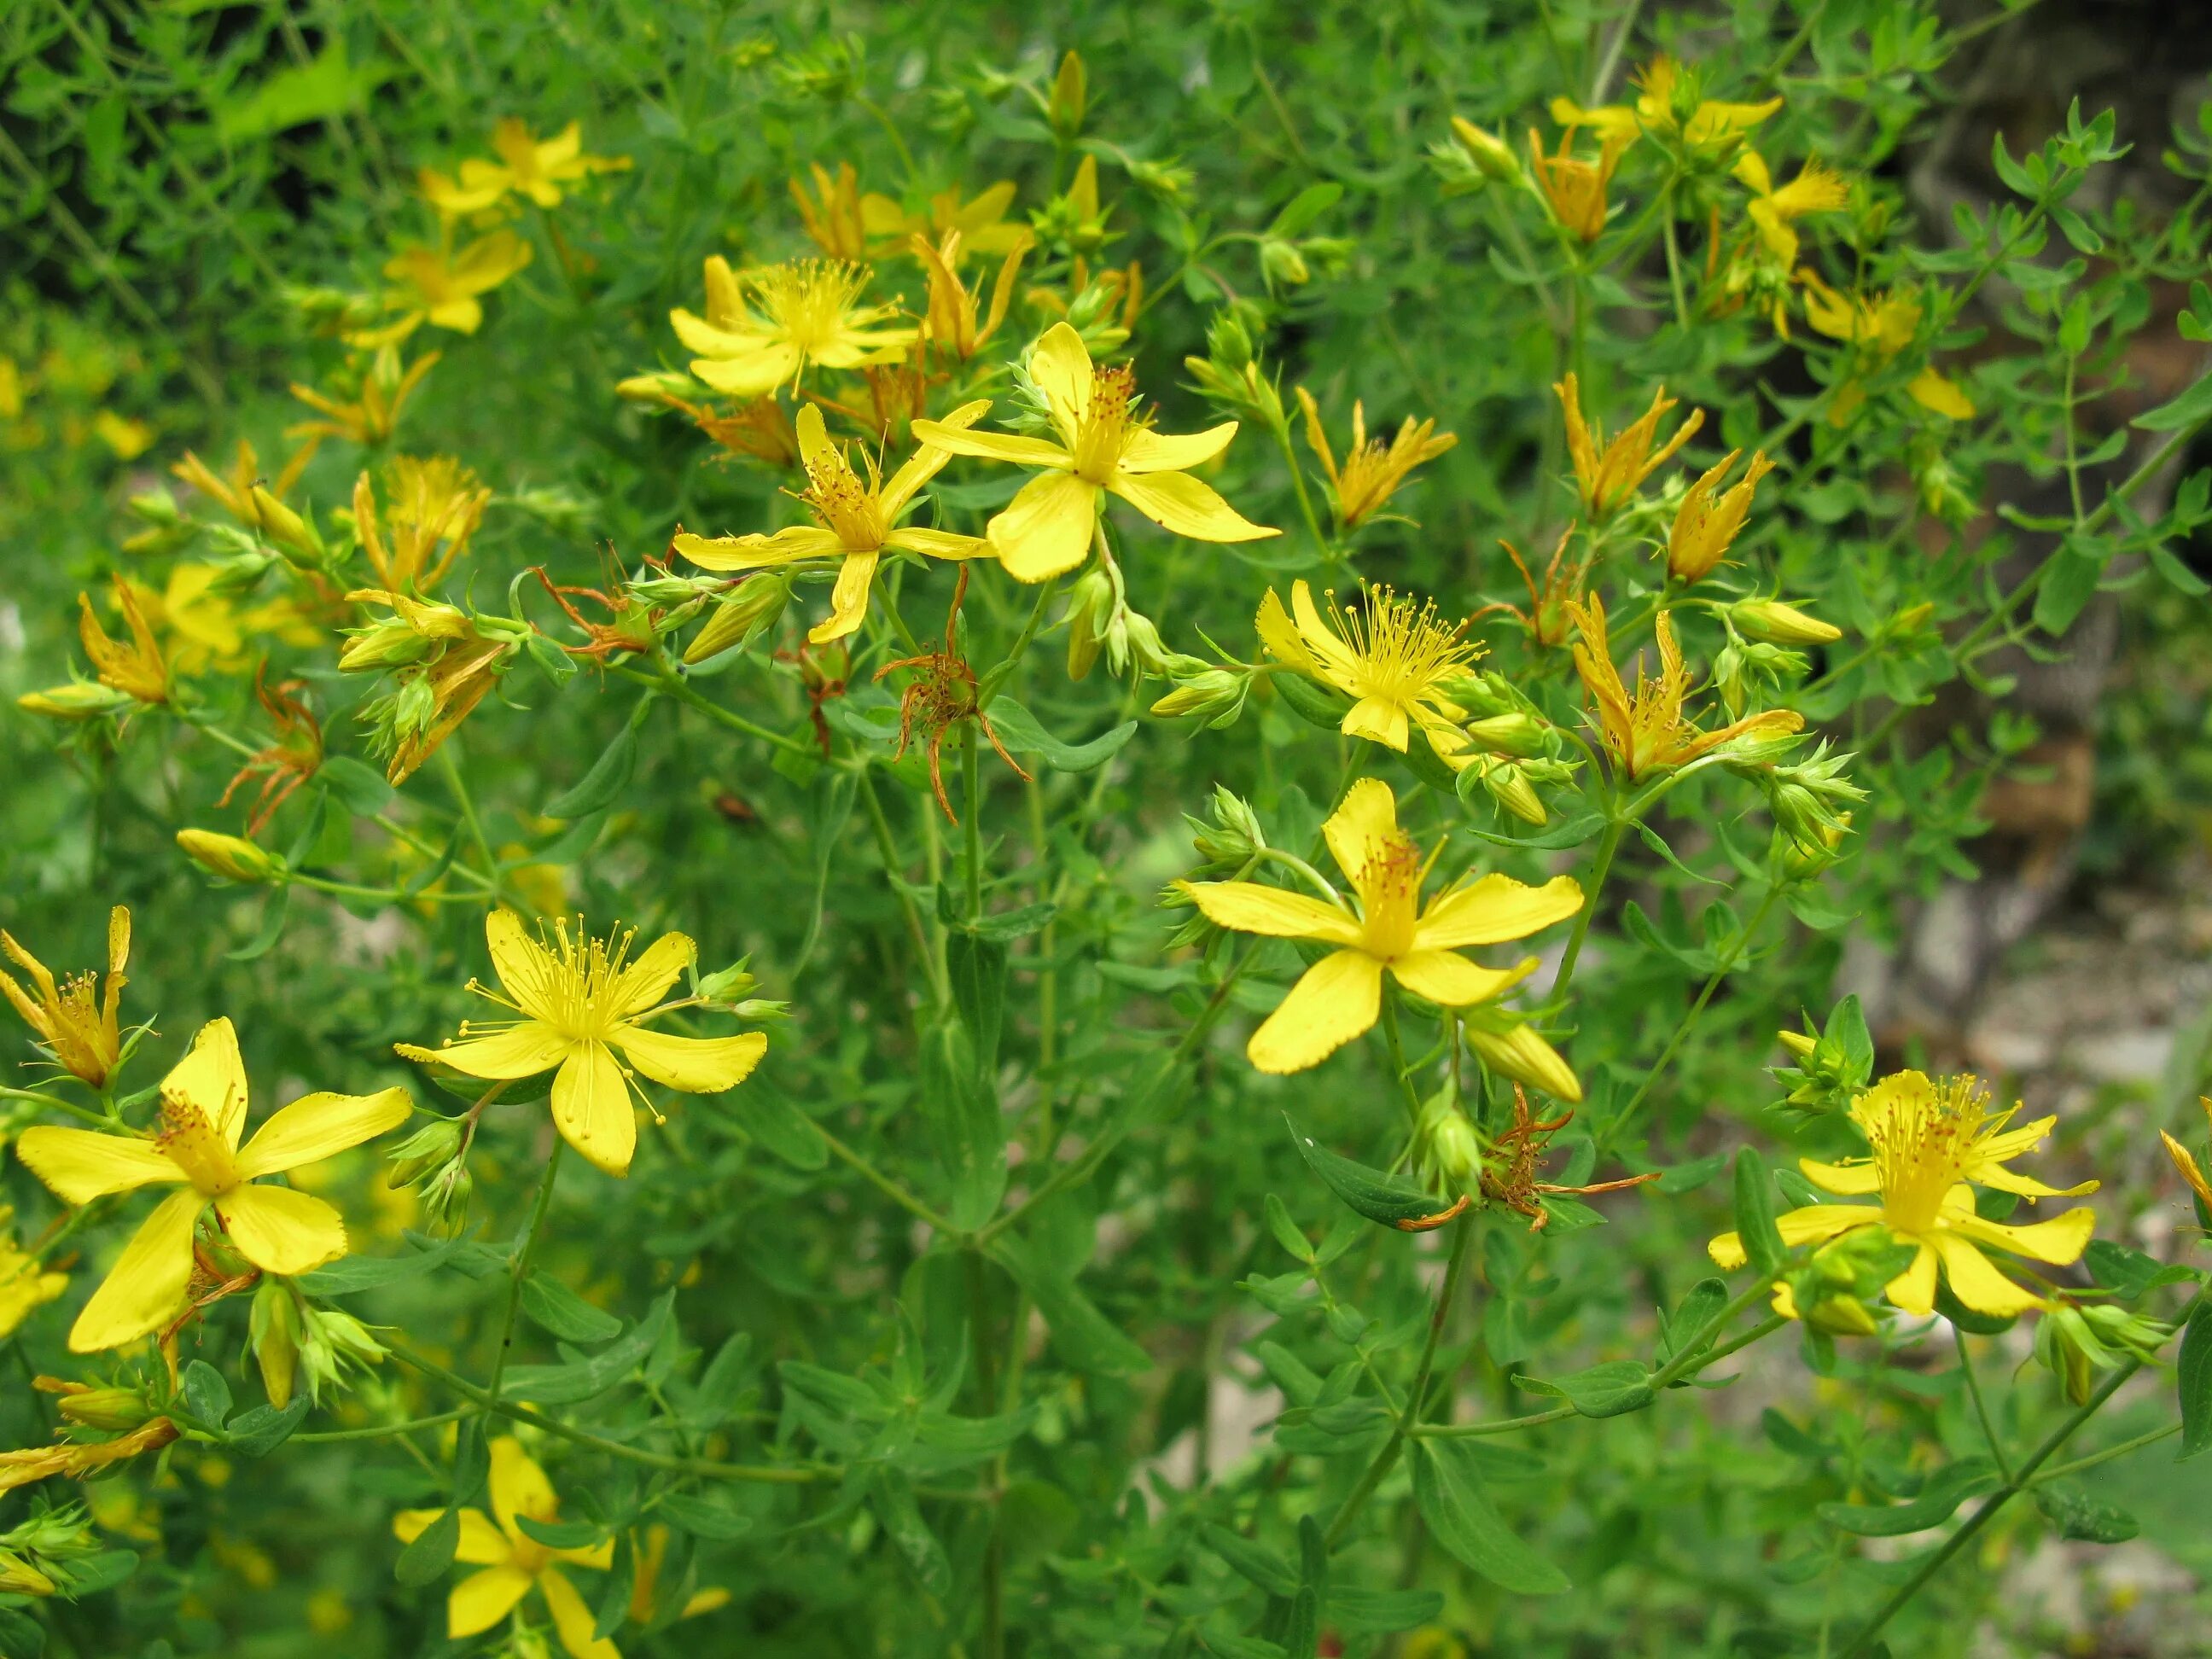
<point>1513,1048</point>
<point>1518,733</point>
<point>1064,111</point>
<point>422,1151</point>
<point>79,700</point>
<point>273,1333</point>
<point>1215,696</point>
<point>113,1409</point>
<point>753,607</point>
<point>230,855</point>
<point>1777,623</point>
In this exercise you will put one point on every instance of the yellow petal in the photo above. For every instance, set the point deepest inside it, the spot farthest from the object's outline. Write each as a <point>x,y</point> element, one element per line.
<point>1281,637</point>
<point>1450,981</point>
<point>1178,503</point>
<point>1062,368</point>
<point>936,544</point>
<point>145,1289</point>
<point>1805,1226</point>
<point>1363,828</point>
<point>319,1125</point>
<point>2059,1241</point>
<point>798,541</point>
<point>1858,1180</point>
<point>698,1066</point>
<point>591,1109</point>
<point>1047,528</point>
<point>524,967</point>
<point>573,1619</point>
<point>925,463</point>
<point>212,1078</point>
<point>2010,1181</point>
<point>1336,1000</point>
<point>1914,1289</point>
<point>757,371</point>
<point>82,1164</point>
<point>483,1599</point>
<point>991,445</point>
<point>1379,719</point>
<point>482,1544</point>
<point>709,340</point>
<point>1494,909</point>
<point>1146,451</point>
<point>648,980</point>
<point>464,315</point>
<point>1249,906</point>
<point>1932,391</point>
<point>848,600</point>
<point>1975,1282</point>
<point>524,1049</point>
<point>815,449</point>
<point>518,1487</point>
<point>281,1230</point>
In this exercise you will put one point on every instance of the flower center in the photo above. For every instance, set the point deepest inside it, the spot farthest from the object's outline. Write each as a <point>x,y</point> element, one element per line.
<point>190,1143</point>
<point>809,303</point>
<point>843,503</point>
<point>1404,649</point>
<point>1389,887</point>
<point>1100,432</point>
<point>1922,1142</point>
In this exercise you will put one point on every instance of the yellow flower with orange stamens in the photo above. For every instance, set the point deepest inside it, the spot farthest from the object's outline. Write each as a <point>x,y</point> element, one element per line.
<point>1647,730</point>
<point>76,1027</point>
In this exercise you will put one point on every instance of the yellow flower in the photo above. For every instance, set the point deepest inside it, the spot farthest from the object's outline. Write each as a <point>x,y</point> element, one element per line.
<point>1880,327</point>
<point>2185,1161</point>
<point>855,521</point>
<point>832,214</point>
<point>24,1286</point>
<point>77,1030</point>
<point>1658,110</point>
<point>439,286</point>
<point>437,505</point>
<point>1340,996</point>
<point>370,414</point>
<point>980,221</point>
<point>1047,528</point>
<point>135,669</point>
<point>510,1562</point>
<point>807,315</point>
<point>1393,657</point>
<point>1371,471</point>
<point>279,1230</point>
<point>235,495</point>
<point>537,167</point>
<point>481,184</point>
<point>1705,528</point>
<point>1816,189</point>
<point>952,321</point>
<point>205,629</point>
<point>578,1005</point>
<point>1930,1138</point>
<point>644,1594</point>
<point>129,438</point>
<point>81,1459</point>
<point>1649,732</point>
<point>1609,473</point>
<point>1575,189</point>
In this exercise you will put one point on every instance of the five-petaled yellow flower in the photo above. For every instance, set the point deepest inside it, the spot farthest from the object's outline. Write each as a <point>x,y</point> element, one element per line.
<point>1879,327</point>
<point>1705,528</point>
<point>280,1230</point>
<point>1704,123</point>
<point>1340,996</point>
<point>439,286</point>
<point>1607,474</point>
<point>532,166</point>
<point>1930,1138</point>
<point>510,1562</point>
<point>77,1030</point>
<point>1817,188</point>
<point>1372,470</point>
<point>763,329</point>
<point>1648,732</point>
<point>1393,657</point>
<point>1573,188</point>
<point>856,521</point>
<point>1047,528</point>
<point>578,1005</point>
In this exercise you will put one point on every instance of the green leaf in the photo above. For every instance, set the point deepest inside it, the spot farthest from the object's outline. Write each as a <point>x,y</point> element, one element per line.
<point>22,1636</point>
<point>2069,582</point>
<point>1448,1489</point>
<point>1084,1338</point>
<point>1378,1196</point>
<point>1308,205</point>
<point>705,1517</point>
<point>561,1312</point>
<point>1010,924</point>
<point>1317,705</point>
<point>1754,1213</point>
<point>2193,1377</point>
<point>609,776</point>
<point>257,1432</point>
<point>1685,1325</point>
<point>773,1121</point>
<point>274,909</point>
<point>1947,1488</point>
<point>964,1124</point>
<point>2076,1514</point>
<point>2192,408</point>
<point>560,1534</point>
<point>352,1275</point>
<point>359,788</point>
<point>1612,1389</point>
<point>977,968</point>
<point>891,1496</point>
<point>206,1395</point>
<point>1018,731</point>
<point>431,1553</point>
<point>1377,1613</point>
<point>564,1385</point>
<point>1254,1561</point>
<point>316,91</point>
<point>1286,1232</point>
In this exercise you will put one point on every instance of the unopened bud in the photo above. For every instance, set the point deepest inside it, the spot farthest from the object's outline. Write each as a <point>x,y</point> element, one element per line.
<point>1513,1048</point>
<point>80,700</point>
<point>726,985</point>
<point>422,1151</point>
<point>281,525</point>
<point>1282,264</point>
<point>390,643</point>
<point>1090,607</point>
<point>753,608</point>
<point>230,855</point>
<point>1070,98</point>
<point>155,506</point>
<point>114,1409</point>
<point>1229,342</point>
<point>19,1577</point>
<point>1519,733</point>
<point>273,1332</point>
<point>1797,1044</point>
<point>1492,156</point>
<point>1215,696</point>
<point>1777,623</point>
<point>1450,1150</point>
<point>666,387</point>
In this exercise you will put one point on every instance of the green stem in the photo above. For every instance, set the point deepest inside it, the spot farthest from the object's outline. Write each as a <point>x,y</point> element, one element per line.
<point>889,1188</point>
<point>971,743</point>
<point>1299,484</point>
<point>2110,1452</point>
<point>462,800</point>
<point>1981,1406</point>
<point>1602,82</point>
<point>519,1269</point>
<point>1675,261</point>
<point>1599,871</point>
<point>887,849</point>
<point>386,1431</point>
<point>1416,1396</point>
<point>686,694</point>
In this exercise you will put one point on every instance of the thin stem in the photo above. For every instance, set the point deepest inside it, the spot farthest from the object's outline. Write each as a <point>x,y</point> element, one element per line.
<point>887,849</point>
<point>519,1269</point>
<point>1390,1041</point>
<point>971,778</point>
<point>1602,82</point>
<point>462,800</point>
<point>889,1188</point>
<point>2061,1470</point>
<point>685,693</point>
<point>1675,261</point>
<point>1298,485</point>
<point>386,1430</point>
<point>1981,1406</point>
<point>1416,1396</point>
<point>1605,848</point>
